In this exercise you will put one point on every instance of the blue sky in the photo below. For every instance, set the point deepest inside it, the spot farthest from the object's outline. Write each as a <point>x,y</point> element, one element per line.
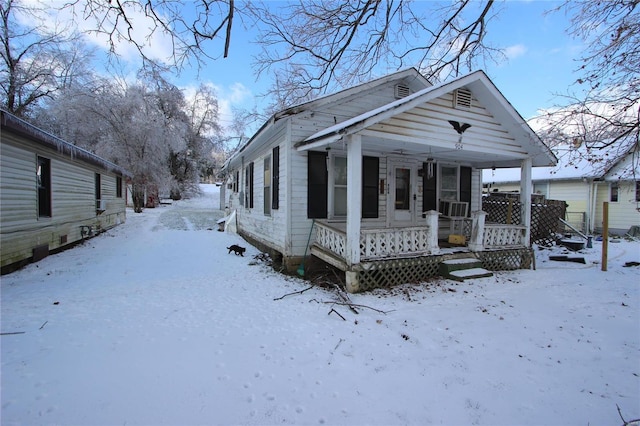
<point>540,65</point>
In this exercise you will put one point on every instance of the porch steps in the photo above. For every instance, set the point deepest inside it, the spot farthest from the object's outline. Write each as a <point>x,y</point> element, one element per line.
<point>463,269</point>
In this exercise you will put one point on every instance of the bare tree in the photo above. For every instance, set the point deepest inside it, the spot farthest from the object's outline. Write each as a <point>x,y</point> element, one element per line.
<point>318,45</point>
<point>603,121</point>
<point>35,62</point>
<point>187,24</point>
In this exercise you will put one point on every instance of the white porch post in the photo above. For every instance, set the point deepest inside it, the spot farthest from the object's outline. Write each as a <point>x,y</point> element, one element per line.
<point>432,234</point>
<point>525,194</point>
<point>354,198</point>
<point>354,209</point>
<point>476,242</point>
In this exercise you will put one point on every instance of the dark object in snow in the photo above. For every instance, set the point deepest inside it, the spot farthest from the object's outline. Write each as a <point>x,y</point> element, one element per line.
<point>574,245</point>
<point>237,249</point>
<point>568,259</point>
<point>626,265</point>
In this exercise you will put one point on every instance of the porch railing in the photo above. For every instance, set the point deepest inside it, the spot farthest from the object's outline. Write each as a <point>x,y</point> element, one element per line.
<point>497,235</point>
<point>394,242</point>
<point>384,243</point>
<point>377,243</point>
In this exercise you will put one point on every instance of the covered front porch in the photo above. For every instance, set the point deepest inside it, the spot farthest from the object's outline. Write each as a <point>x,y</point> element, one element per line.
<point>396,255</point>
<point>402,177</point>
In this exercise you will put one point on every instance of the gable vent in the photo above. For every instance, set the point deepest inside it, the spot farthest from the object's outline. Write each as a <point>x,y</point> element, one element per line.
<point>401,91</point>
<point>462,98</point>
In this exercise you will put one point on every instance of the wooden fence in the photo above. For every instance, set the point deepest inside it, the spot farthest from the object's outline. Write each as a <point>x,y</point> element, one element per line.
<point>545,215</point>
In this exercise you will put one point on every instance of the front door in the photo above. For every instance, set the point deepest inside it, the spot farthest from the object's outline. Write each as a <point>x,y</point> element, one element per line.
<point>402,193</point>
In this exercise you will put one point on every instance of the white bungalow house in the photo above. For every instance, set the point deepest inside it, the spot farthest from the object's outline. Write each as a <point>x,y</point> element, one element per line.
<point>369,178</point>
<point>52,193</point>
<point>584,186</point>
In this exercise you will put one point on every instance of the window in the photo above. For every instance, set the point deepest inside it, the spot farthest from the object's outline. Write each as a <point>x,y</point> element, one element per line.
<point>236,179</point>
<point>43,177</point>
<point>403,182</point>
<point>637,191</point>
<point>275,182</point>
<point>267,185</point>
<point>339,186</point>
<point>248,186</point>
<point>449,183</point>
<point>541,188</point>
<point>98,182</point>
<point>119,186</point>
<point>613,192</point>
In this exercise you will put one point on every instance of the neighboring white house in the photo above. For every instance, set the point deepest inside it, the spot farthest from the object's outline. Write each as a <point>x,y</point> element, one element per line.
<point>584,186</point>
<point>365,174</point>
<point>52,193</point>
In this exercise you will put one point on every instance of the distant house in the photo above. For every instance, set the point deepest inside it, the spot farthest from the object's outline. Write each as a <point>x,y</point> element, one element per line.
<point>370,179</point>
<point>584,186</point>
<point>52,193</point>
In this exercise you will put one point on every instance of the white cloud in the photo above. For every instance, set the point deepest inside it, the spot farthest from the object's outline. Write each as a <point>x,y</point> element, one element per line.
<point>235,95</point>
<point>515,51</point>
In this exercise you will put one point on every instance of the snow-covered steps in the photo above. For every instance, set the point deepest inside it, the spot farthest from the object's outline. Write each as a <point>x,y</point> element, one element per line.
<point>463,269</point>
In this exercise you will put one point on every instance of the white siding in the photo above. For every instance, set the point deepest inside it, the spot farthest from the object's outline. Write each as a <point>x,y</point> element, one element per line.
<point>73,202</point>
<point>622,214</point>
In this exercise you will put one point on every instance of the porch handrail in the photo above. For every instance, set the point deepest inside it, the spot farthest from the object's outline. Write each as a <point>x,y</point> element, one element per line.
<point>498,235</point>
<point>377,243</point>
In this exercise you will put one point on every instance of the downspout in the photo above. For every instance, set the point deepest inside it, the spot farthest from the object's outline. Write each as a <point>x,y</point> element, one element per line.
<point>593,188</point>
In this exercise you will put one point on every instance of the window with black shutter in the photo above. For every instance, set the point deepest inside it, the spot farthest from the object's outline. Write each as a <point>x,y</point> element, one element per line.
<point>317,189</point>
<point>465,186</point>
<point>248,186</point>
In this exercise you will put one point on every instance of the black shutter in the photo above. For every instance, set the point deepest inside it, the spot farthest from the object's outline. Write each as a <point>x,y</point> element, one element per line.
<point>317,189</point>
<point>251,185</point>
<point>275,180</point>
<point>465,186</point>
<point>370,174</point>
<point>429,187</point>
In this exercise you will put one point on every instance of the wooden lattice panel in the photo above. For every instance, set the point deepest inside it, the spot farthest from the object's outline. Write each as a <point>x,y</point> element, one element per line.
<point>502,210</point>
<point>544,216</point>
<point>506,260</point>
<point>545,220</point>
<point>388,273</point>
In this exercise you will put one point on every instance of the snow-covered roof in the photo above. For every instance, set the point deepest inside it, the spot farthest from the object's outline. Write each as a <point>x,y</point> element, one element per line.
<point>572,164</point>
<point>38,135</point>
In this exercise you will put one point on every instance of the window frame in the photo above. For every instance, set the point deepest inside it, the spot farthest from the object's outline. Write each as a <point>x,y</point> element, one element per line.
<point>266,191</point>
<point>43,187</point>
<point>248,186</point>
<point>118,186</point>
<point>98,189</point>
<point>614,192</point>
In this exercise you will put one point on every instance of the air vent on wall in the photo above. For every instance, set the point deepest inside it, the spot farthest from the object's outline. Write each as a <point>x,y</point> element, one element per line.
<point>401,91</point>
<point>462,98</point>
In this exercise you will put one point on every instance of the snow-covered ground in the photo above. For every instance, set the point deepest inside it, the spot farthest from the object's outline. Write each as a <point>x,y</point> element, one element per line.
<point>155,323</point>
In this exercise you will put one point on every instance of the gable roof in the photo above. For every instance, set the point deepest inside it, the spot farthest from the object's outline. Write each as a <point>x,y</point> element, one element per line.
<point>39,136</point>
<point>482,88</point>
<point>411,75</point>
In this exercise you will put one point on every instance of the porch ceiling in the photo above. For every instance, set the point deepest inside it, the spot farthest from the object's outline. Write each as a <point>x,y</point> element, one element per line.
<point>420,151</point>
<point>399,146</point>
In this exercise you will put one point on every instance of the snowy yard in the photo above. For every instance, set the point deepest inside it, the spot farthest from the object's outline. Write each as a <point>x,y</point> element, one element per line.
<point>154,323</point>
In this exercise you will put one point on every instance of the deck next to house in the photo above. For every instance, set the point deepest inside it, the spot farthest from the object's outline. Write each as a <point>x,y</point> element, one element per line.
<point>391,256</point>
